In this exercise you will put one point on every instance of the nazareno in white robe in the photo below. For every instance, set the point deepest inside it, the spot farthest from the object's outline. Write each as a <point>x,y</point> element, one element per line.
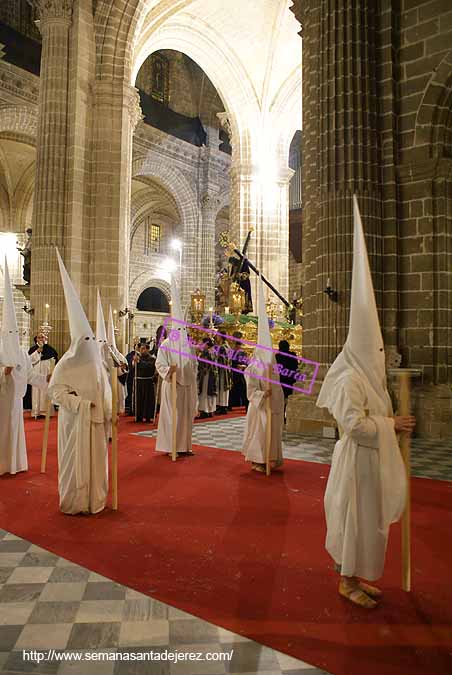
<point>186,402</point>
<point>13,449</point>
<point>366,485</point>
<point>82,449</point>
<point>39,396</point>
<point>256,417</point>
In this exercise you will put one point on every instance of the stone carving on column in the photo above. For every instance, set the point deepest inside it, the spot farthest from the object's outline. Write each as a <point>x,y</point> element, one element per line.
<point>111,94</point>
<point>133,106</point>
<point>52,9</point>
<point>210,202</point>
<point>225,123</point>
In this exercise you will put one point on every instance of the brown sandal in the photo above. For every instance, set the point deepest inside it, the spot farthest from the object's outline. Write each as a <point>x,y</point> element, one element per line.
<point>371,591</point>
<point>357,596</point>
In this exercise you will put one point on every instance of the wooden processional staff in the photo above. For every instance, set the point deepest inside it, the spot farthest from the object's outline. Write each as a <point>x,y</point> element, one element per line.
<point>114,438</point>
<point>404,376</point>
<point>268,428</point>
<point>174,410</point>
<point>45,439</point>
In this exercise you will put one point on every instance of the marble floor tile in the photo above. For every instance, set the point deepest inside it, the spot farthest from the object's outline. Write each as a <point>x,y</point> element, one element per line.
<point>15,613</point>
<point>8,637</point>
<point>69,574</point>
<point>104,591</point>
<point>143,609</point>
<point>185,631</point>
<point>30,575</point>
<point>44,636</point>
<point>54,612</point>
<point>95,611</point>
<point>142,633</point>
<point>20,592</point>
<point>94,635</point>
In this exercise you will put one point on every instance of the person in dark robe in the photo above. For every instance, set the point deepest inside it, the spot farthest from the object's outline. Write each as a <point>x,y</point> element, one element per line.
<point>41,354</point>
<point>287,368</point>
<point>129,402</point>
<point>207,381</point>
<point>237,394</point>
<point>145,379</point>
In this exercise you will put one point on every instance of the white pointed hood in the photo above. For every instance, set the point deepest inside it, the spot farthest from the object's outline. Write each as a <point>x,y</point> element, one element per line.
<point>79,367</point>
<point>264,338</point>
<point>364,349</point>
<point>112,339</point>
<point>101,333</point>
<point>10,350</point>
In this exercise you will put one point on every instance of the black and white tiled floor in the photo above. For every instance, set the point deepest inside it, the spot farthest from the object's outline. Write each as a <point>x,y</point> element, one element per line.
<point>48,603</point>
<point>429,459</point>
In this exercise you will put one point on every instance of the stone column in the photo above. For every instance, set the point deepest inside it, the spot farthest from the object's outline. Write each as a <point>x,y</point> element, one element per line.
<point>50,186</point>
<point>340,157</point>
<point>116,113</point>
<point>260,201</point>
<point>262,206</point>
<point>209,210</point>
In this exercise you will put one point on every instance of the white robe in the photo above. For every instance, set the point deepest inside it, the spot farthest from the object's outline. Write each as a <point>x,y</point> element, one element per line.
<point>206,403</point>
<point>82,452</point>
<point>356,531</point>
<point>13,449</point>
<point>186,405</point>
<point>256,419</point>
<point>39,396</point>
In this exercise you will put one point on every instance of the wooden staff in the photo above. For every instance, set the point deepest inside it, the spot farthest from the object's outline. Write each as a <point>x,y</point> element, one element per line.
<point>135,375</point>
<point>268,428</point>
<point>157,394</point>
<point>45,440</point>
<point>114,438</point>
<point>174,407</point>
<point>404,410</point>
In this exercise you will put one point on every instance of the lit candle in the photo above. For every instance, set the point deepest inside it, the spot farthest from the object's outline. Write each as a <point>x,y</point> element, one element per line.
<point>211,316</point>
<point>226,310</point>
<point>328,284</point>
<point>46,315</point>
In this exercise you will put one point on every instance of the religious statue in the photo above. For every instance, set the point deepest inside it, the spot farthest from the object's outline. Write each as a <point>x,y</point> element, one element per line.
<point>26,253</point>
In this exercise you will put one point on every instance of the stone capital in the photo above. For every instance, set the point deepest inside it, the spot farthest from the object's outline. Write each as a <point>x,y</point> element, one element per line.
<point>52,9</point>
<point>115,95</point>
<point>210,203</point>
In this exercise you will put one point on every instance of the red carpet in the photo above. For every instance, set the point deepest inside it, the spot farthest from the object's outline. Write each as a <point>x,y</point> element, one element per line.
<point>210,537</point>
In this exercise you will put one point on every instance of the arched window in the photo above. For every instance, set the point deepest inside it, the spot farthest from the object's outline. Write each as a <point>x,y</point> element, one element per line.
<point>152,237</point>
<point>153,300</point>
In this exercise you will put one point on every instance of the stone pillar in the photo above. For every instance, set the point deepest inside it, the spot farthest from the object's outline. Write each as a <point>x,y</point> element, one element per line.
<point>260,201</point>
<point>50,186</point>
<point>209,210</point>
<point>116,113</point>
<point>340,157</point>
<point>263,206</point>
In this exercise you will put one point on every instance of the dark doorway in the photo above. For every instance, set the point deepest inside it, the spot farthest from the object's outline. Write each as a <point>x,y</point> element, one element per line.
<point>153,300</point>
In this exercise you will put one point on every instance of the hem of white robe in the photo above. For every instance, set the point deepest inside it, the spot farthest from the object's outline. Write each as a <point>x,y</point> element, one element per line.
<point>13,473</point>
